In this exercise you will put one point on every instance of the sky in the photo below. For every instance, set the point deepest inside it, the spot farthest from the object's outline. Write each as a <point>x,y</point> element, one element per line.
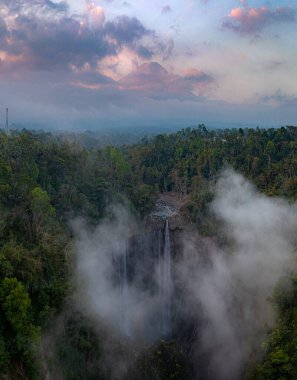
<point>80,64</point>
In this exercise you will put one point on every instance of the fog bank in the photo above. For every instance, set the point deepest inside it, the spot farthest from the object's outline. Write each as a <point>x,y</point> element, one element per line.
<point>228,292</point>
<point>234,288</point>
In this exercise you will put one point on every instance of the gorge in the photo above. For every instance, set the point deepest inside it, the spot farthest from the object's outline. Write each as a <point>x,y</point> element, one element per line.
<point>165,282</point>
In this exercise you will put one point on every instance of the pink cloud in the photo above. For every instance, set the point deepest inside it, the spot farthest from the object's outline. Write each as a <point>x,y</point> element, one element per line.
<point>96,14</point>
<point>154,81</point>
<point>195,75</point>
<point>42,35</point>
<point>249,20</point>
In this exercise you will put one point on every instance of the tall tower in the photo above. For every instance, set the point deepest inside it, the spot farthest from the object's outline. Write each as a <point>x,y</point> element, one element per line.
<point>6,123</point>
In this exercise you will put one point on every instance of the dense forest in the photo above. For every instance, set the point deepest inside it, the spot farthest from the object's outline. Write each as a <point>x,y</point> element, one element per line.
<point>46,183</point>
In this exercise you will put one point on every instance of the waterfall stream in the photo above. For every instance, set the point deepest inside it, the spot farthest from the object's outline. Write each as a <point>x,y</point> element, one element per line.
<point>125,292</point>
<point>136,261</point>
<point>166,284</point>
<point>122,258</point>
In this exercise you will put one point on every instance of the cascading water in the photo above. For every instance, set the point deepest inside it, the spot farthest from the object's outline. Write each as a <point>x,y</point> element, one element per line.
<point>123,286</point>
<point>160,262</point>
<point>136,260</point>
<point>125,292</point>
<point>166,284</point>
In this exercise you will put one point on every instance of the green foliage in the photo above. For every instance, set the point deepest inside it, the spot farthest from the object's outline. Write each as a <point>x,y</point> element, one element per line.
<point>164,361</point>
<point>15,302</point>
<point>44,182</point>
<point>40,202</point>
<point>144,198</point>
<point>78,353</point>
<point>281,346</point>
<point>189,161</point>
<point>17,334</point>
<point>17,261</point>
<point>4,356</point>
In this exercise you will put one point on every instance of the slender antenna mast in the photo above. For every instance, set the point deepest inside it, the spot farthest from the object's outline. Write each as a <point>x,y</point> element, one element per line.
<point>6,124</point>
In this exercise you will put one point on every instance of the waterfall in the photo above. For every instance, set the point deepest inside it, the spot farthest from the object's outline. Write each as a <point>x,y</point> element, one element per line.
<point>135,262</point>
<point>125,292</point>
<point>166,285</point>
<point>122,253</point>
<point>159,264</point>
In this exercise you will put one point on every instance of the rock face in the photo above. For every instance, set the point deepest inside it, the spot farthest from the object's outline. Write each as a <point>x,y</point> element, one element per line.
<point>147,260</point>
<point>169,206</point>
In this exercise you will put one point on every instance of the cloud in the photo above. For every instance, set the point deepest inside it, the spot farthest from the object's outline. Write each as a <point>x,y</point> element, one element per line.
<point>96,14</point>
<point>166,9</point>
<point>129,31</point>
<point>59,43</point>
<point>90,80</point>
<point>279,99</point>
<point>3,31</point>
<point>44,8</point>
<point>153,80</point>
<point>248,20</point>
<point>274,64</point>
<point>126,30</point>
<point>42,35</point>
<point>61,6</point>
<point>195,75</point>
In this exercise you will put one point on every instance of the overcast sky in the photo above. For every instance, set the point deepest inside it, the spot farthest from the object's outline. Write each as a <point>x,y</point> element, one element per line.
<point>81,64</point>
